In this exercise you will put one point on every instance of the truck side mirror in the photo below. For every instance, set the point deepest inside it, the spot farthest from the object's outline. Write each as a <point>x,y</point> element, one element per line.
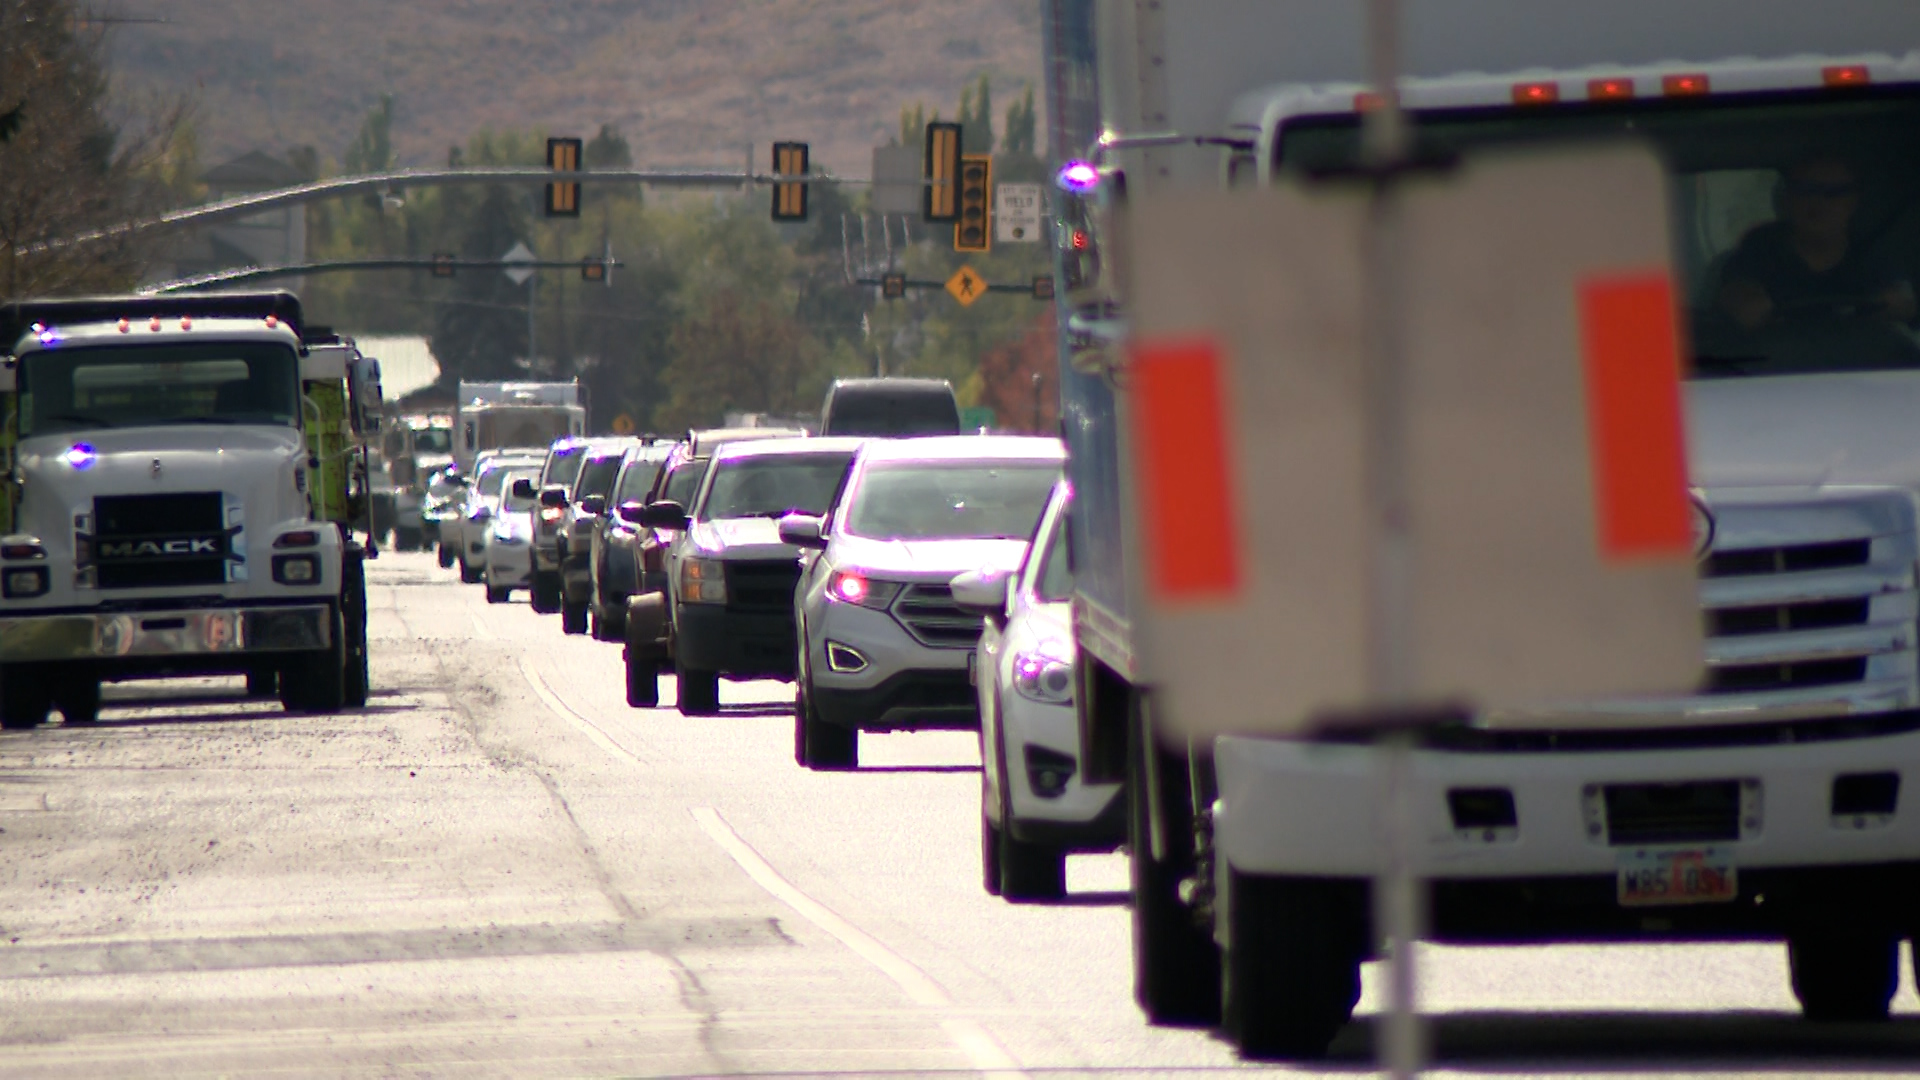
<point>553,497</point>
<point>594,505</point>
<point>983,592</point>
<point>665,514</point>
<point>523,488</point>
<point>629,512</point>
<point>804,531</point>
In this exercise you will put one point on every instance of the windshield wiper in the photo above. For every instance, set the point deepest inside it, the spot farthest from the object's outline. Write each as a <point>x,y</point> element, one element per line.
<point>1710,364</point>
<point>76,418</point>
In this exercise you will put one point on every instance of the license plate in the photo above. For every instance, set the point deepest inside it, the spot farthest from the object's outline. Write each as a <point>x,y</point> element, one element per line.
<point>1663,876</point>
<point>972,679</point>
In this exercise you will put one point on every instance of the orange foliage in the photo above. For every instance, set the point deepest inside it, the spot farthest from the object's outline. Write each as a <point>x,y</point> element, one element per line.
<point>1008,372</point>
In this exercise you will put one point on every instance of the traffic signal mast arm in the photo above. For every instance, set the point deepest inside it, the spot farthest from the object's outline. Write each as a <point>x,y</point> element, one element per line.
<point>261,273</point>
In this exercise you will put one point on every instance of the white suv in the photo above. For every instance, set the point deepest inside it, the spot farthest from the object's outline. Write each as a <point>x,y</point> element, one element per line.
<point>883,646</point>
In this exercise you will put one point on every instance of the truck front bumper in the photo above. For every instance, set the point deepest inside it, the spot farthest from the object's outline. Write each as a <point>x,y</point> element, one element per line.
<point>216,631</point>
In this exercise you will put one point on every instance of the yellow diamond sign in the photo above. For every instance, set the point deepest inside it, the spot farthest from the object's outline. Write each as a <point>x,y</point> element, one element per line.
<point>966,286</point>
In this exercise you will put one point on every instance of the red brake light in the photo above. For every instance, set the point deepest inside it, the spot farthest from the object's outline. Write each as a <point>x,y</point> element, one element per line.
<point>1367,101</point>
<point>1685,85</point>
<point>1610,89</point>
<point>1545,93</point>
<point>1081,241</point>
<point>1847,75</point>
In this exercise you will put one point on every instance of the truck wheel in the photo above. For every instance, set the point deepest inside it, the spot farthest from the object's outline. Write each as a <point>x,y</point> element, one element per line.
<point>573,618</point>
<point>263,682</point>
<point>643,681</point>
<point>990,875</point>
<point>469,575</point>
<point>1176,965</point>
<point>820,745</point>
<point>1030,871</point>
<point>316,681</point>
<point>406,540</point>
<point>24,698</point>
<point>353,613</point>
<point>546,592</point>
<point>446,555</point>
<point>498,594</point>
<point>699,692</point>
<point>1844,975</point>
<point>78,698</point>
<point>1290,975</point>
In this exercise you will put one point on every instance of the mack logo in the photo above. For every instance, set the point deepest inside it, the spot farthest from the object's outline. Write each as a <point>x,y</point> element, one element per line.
<point>157,549</point>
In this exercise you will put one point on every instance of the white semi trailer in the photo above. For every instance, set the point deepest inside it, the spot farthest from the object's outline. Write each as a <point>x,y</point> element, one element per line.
<point>495,415</point>
<point>1779,802</point>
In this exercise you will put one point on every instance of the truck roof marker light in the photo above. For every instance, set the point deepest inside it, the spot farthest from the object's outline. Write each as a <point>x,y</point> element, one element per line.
<point>1846,75</point>
<point>49,337</point>
<point>1685,85</point>
<point>1078,177</point>
<point>37,328</point>
<point>1367,101</point>
<point>273,321</point>
<point>1609,89</point>
<point>123,326</point>
<point>186,323</point>
<point>1541,93</point>
<point>80,457</point>
<point>153,324</point>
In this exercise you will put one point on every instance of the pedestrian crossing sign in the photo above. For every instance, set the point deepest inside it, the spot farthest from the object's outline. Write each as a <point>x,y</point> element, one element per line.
<point>966,286</point>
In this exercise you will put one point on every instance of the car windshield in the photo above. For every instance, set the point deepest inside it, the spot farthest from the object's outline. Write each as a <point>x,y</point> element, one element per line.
<point>218,383</point>
<point>508,502</point>
<point>684,482</point>
<point>596,476</point>
<point>1797,223</point>
<point>1055,580</point>
<point>636,479</point>
<point>883,411</point>
<point>564,464</point>
<point>970,500</point>
<point>492,475</point>
<point>774,486</point>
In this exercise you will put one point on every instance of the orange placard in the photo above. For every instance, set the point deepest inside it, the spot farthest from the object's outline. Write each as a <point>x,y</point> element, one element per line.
<point>1189,513</point>
<point>1629,345</point>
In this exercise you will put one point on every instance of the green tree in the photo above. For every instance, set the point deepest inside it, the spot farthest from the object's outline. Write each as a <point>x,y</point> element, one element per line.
<point>976,117</point>
<point>608,150</point>
<point>1022,126</point>
<point>372,149</point>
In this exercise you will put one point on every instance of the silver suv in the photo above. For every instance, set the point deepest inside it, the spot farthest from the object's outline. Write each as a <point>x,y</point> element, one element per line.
<point>883,646</point>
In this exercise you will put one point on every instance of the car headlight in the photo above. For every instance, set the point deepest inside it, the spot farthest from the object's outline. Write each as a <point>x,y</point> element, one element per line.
<point>296,569</point>
<point>703,581</point>
<point>852,587</point>
<point>1044,674</point>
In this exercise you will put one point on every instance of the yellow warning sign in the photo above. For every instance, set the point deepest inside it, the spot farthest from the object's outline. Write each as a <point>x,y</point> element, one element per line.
<point>966,286</point>
<point>623,425</point>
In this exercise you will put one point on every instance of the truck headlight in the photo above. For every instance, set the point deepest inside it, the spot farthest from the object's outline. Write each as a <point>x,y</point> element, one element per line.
<point>703,581</point>
<point>1044,675</point>
<point>296,569</point>
<point>21,583</point>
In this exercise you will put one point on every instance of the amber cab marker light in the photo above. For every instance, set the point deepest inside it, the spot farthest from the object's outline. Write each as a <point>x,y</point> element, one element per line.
<point>1610,89</point>
<point>1846,75</point>
<point>1684,85</point>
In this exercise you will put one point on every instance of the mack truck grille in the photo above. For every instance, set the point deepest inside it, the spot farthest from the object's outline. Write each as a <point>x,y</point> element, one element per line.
<point>147,541</point>
<point>1834,614</point>
<point>930,615</point>
<point>762,585</point>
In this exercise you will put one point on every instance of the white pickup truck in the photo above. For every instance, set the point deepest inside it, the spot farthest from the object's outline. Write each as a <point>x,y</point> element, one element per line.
<point>183,481</point>
<point>1776,803</point>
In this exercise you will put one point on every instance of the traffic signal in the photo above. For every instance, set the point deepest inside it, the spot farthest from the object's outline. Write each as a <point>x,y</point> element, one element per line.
<point>943,172</point>
<point>790,200</point>
<point>1043,287</point>
<point>593,268</point>
<point>563,198</point>
<point>442,264</point>
<point>974,231</point>
<point>893,286</point>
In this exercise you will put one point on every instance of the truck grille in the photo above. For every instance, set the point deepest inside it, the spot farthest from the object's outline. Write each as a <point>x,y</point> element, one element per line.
<point>1686,813</point>
<point>930,615</point>
<point>762,585</point>
<point>1835,610</point>
<point>148,541</point>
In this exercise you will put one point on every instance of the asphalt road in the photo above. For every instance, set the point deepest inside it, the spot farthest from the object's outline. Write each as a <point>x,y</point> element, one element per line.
<point>500,869</point>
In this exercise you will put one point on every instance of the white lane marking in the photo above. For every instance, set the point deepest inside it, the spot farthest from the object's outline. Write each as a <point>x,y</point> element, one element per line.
<point>559,708</point>
<point>968,1034</point>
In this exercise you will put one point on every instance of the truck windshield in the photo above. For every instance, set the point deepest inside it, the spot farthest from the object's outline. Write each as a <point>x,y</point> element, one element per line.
<point>1797,220</point>
<point>563,465</point>
<point>596,476</point>
<point>974,501</point>
<point>684,481</point>
<point>887,410</point>
<point>433,440</point>
<point>636,479</point>
<point>214,383</point>
<point>774,486</point>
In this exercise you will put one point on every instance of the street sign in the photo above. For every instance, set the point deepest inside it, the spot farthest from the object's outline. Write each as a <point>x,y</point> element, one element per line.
<point>519,253</point>
<point>1550,553</point>
<point>966,286</point>
<point>1016,213</point>
<point>897,186</point>
<point>624,425</point>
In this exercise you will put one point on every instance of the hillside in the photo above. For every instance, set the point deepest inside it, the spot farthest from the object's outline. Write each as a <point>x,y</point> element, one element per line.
<point>687,81</point>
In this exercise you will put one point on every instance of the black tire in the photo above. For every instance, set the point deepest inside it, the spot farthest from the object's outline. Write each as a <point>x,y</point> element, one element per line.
<point>699,692</point>
<point>822,746</point>
<point>498,594</point>
<point>989,856</point>
<point>316,681</point>
<point>469,575</point>
<point>78,698</point>
<point>1290,976</point>
<point>573,618</point>
<point>546,592</point>
<point>643,682</point>
<point>1176,965</point>
<point>406,540</point>
<point>25,698</point>
<point>1030,871</point>
<point>263,682</point>
<point>353,613</point>
<point>1844,975</point>
<point>445,555</point>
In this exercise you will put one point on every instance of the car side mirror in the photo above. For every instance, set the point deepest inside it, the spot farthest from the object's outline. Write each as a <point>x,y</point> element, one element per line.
<point>523,488</point>
<point>983,592</point>
<point>665,514</point>
<point>482,512</point>
<point>804,531</point>
<point>629,512</point>
<point>553,497</point>
<point>594,505</point>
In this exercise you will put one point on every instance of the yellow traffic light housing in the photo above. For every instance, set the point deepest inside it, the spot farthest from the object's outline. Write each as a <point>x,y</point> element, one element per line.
<point>974,230</point>
<point>593,268</point>
<point>943,173</point>
<point>893,286</point>
<point>563,198</point>
<point>790,199</point>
